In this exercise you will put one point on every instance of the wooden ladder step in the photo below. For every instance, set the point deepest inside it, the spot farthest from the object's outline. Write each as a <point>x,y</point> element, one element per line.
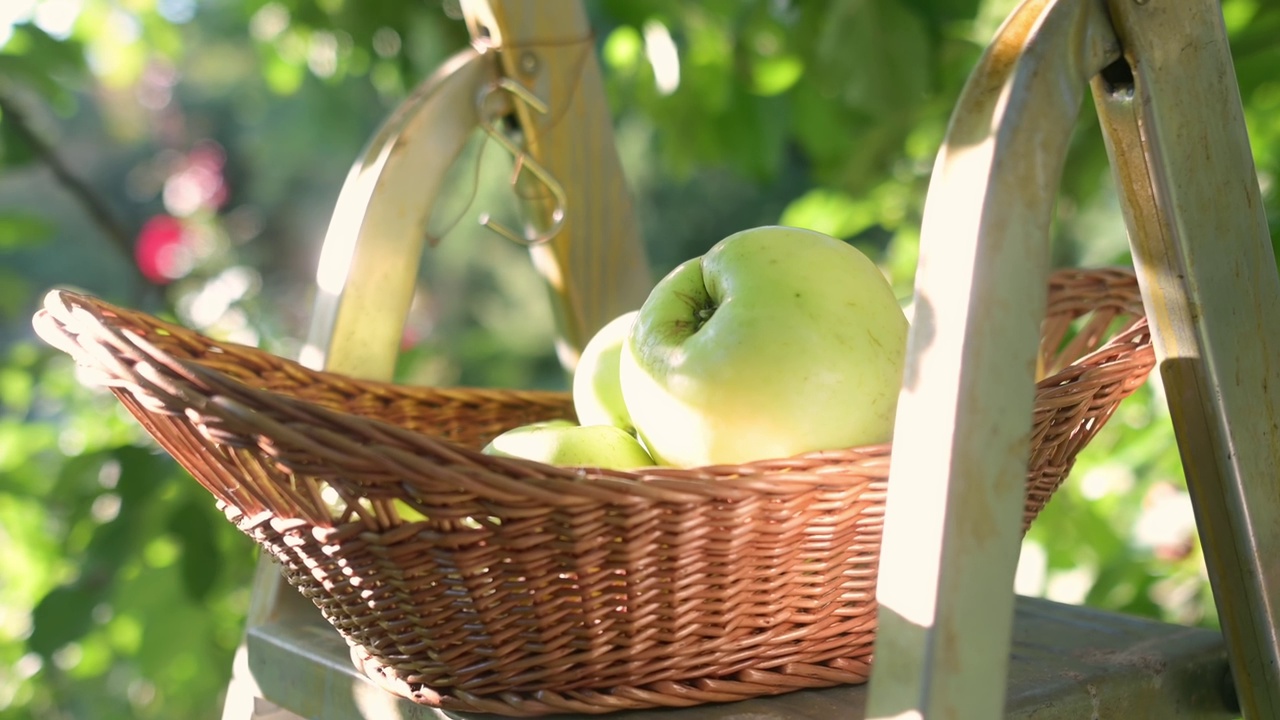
<point>1066,662</point>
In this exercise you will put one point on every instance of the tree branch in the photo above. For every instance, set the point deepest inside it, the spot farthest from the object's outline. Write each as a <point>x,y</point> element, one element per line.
<point>92,204</point>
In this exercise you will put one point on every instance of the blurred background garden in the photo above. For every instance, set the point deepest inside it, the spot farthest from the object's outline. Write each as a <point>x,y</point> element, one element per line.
<point>183,156</point>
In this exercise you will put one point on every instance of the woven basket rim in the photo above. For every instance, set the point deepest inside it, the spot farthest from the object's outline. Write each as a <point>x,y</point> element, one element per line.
<point>725,481</point>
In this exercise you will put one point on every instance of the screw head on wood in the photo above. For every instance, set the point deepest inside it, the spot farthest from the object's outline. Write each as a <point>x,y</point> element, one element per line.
<point>529,62</point>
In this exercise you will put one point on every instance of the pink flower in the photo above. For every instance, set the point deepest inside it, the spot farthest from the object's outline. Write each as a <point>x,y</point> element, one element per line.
<point>161,251</point>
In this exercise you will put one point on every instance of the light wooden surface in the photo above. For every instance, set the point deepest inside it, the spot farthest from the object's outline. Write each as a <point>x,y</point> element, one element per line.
<point>1066,663</point>
<point>1176,133</point>
<point>961,443</point>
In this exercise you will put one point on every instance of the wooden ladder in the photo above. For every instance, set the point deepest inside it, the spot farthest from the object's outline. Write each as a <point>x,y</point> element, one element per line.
<point>953,640</point>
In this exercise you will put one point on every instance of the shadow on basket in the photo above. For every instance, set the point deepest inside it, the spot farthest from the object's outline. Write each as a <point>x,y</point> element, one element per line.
<point>478,583</point>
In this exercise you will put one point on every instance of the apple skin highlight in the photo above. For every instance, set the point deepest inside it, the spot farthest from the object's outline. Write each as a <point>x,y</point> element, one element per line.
<point>776,342</point>
<point>559,442</point>
<point>597,390</point>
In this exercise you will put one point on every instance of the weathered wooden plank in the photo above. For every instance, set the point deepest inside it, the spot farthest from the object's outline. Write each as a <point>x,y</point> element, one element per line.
<point>1067,663</point>
<point>1180,152</point>
<point>961,442</point>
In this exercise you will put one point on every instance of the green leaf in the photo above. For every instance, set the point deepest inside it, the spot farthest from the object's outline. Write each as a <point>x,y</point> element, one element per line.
<point>873,56</point>
<point>623,49</point>
<point>635,12</point>
<point>63,616</point>
<point>775,75</point>
<point>946,11</point>
<point>142,471</point>
<point>43,49</point>
<point>113,543</point>
<point>78,478</point>
<point>19,231</point>
<point>65,613</point>
<point>118,539</point>
<point>53,68</point>
<point>15,151</point>
<point>17,389</point>
<point>754,133</point>
<point>15,293</point>
<point>830,211</point>
<point>201,558</point>
<point>826,130</point>
<point>282,76</point>
<point>774,65</point>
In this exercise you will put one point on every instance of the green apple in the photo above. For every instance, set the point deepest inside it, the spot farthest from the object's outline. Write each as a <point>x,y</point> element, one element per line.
<point>559,442</point>
<point>778,341</point>
<point>407,512</point>
<point>337,507</point>
<point>597,392</point>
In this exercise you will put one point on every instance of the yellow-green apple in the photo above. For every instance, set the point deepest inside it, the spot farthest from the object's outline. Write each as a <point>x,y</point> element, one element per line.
<point>597,392</point>
<point>407,512</point>
<point>777,341</point>
<point>558,442</point>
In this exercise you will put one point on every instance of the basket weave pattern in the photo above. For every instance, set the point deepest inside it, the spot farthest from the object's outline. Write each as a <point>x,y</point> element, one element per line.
<point>530,589</point>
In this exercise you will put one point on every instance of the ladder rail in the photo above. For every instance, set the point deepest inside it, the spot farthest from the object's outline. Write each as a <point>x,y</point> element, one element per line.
<point>1173,122</point>
<point>369,260</point>
<point>1174,125</point>
<point>961,443</point>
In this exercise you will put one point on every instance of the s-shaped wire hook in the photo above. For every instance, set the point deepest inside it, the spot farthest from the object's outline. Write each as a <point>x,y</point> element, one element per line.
<point>523,161</point>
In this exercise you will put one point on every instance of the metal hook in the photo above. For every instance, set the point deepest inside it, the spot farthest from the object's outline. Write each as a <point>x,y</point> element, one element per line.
<point>523,160</point>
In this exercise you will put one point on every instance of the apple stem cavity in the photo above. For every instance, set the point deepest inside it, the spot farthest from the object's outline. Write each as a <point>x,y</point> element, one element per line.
<point>703,308</point>
<point>704,314</point>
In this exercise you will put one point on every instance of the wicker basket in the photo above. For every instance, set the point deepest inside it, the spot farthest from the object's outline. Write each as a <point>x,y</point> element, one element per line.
<point>531,589</point>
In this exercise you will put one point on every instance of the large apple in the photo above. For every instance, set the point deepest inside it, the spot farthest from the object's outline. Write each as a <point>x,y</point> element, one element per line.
<point>597,391</point>
<point>559,442</point>
<point>778,341</point>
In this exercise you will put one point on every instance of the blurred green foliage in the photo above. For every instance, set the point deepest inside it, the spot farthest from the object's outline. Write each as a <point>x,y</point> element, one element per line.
<point>123,592</point>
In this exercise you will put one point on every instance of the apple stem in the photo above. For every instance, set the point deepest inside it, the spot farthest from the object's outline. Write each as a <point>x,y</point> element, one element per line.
<point>704,314</point>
